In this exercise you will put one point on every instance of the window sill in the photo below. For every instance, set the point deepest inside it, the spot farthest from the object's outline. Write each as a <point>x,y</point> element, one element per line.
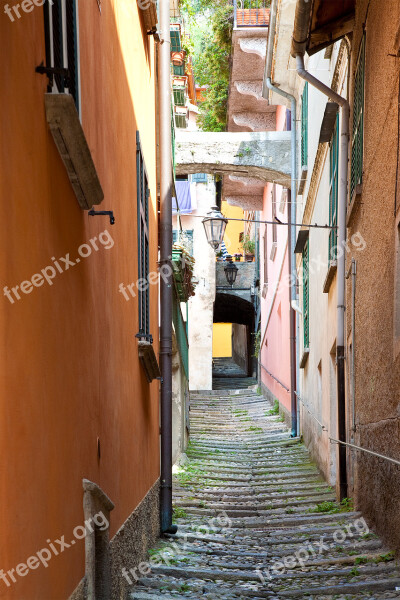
<point>304,358</point>
<point>68,135</point>
<point>330,276</point>
<point>354,205</point>
<point>148,360</point>
<point>303,179</point>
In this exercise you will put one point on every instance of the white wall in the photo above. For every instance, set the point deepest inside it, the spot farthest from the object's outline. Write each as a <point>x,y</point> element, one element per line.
<point>201,305</point>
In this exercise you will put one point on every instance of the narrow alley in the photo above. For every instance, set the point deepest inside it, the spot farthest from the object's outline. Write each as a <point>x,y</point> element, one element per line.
<point>256,520</point>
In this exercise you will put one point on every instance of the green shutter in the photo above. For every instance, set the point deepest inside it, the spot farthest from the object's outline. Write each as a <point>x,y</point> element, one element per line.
<point>179,96</point>
<point>306,294</point>
<point>357,142</point>
<point>333,191</point>
<point>143,194</point>
<point>304,126</point>
<point>176,40</point>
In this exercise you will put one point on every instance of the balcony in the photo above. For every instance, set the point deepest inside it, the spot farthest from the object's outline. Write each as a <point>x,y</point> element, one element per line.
<point>251,13</point>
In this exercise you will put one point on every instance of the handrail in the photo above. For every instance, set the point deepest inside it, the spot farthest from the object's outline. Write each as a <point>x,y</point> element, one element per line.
<point>273,377</point>
<point>336,441</point>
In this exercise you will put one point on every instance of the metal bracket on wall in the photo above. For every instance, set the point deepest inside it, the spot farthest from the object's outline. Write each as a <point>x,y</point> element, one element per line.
<point>51,72</point>
<point>96,213</point>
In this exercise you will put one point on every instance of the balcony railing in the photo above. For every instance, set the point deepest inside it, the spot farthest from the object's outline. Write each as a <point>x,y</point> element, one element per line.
<point>251,13</point>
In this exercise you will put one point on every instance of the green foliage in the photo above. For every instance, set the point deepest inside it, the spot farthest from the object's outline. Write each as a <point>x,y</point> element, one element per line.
<point>345,505</point>
<point>248,245</point>
<point>210,23</point>
<point>273,411</point>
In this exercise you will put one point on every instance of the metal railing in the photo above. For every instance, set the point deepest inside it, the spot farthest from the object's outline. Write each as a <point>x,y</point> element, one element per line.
<point>251,13</point>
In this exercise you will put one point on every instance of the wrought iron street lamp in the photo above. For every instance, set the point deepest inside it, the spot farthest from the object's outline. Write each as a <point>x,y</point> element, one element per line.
<point>214,226</point>
<point>231,271</point>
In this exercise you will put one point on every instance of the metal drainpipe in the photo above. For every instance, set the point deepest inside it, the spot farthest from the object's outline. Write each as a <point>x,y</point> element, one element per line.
<point>268,85</point>
<point>353,272</point>
<point>341,274</point>
<point>165,281</point>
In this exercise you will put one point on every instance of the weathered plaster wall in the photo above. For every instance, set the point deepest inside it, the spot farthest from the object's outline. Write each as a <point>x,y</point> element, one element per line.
<point>202,303</point>
<point>377,360</point>
<point>70,371</point>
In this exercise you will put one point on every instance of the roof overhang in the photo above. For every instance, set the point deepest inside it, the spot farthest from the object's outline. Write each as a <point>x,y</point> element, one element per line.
<point>320,23</point>
<point>330,22</point>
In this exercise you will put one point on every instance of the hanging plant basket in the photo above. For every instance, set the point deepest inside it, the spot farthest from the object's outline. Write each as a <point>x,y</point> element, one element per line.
<point>183,264</point>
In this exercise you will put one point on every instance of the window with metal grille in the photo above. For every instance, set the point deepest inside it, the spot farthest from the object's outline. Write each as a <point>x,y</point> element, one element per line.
<point>179,96</point>
<point>304,126</point>
<point>175,39</point>
<point>143,194</point>
<point>61,39</point>
<point>357,142</point>
<point>333,191</point>
<point>306,294</point>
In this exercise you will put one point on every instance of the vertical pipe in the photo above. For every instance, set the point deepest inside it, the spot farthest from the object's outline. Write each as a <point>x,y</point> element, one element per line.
<point>292,317</point>
<point>165,257</point>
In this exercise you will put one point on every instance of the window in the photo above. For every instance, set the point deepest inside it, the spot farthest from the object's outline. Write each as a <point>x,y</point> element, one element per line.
<point>61,38</point>
<point>357,141</point>
<point>186,237</point>
<point>304,126</point>
<point>176,38</point>
<point>199,177</point>
<point>306,294</point>
<point>143,241</point>
<point>265,255</point>
<point>333,191</point>
<point>274,225</point>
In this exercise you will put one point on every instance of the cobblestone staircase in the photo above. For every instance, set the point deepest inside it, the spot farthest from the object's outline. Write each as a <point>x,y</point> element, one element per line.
<point>256,520</point>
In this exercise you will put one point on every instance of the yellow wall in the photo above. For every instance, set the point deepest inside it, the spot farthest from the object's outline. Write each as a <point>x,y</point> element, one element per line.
<point>234,228</point>
<point>222,340</point>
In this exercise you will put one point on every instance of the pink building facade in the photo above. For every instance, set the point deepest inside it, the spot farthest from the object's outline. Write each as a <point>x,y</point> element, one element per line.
<point>274,356</point>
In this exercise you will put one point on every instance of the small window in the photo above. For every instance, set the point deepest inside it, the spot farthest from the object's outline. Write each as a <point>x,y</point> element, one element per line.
<point>306,295</point>
<point>304,126</point>
<point>61,38</point>
<point>357,142</point>
<point>199,177</point>
<point>265,256</point>
<point>274,224</point>
<point>333,191</point>
<point>143,194</point>
<point>187,238</point>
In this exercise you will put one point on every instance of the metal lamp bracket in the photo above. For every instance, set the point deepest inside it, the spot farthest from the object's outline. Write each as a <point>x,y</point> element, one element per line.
<point>97,213</point>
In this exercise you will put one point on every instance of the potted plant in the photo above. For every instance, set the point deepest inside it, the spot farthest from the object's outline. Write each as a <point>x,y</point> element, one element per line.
<point>249,247</point>
<point>237,257</point>
<point>228,258</point>
<point>219,256</point>
<point>183,266</point>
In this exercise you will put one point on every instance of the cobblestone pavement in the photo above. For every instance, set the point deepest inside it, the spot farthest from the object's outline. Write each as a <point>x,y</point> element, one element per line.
<point>256,520</point>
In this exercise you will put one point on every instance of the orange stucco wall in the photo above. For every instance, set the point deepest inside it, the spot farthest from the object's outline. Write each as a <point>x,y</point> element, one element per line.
<point>69,370</point>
